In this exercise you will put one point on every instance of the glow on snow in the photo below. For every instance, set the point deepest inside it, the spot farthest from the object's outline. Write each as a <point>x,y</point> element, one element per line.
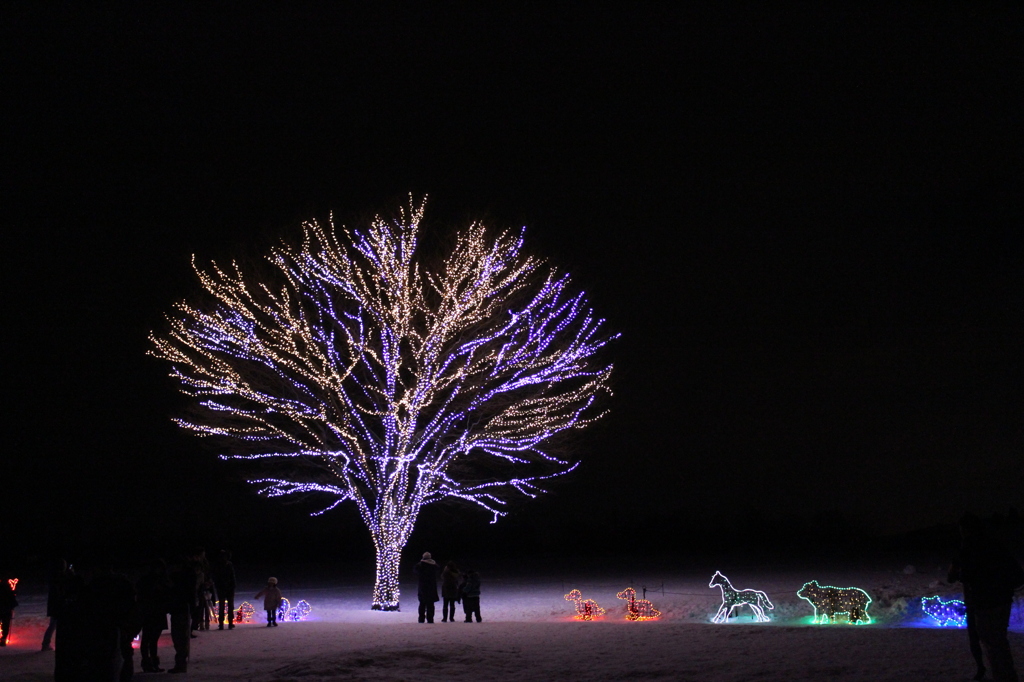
<point>364,375</point>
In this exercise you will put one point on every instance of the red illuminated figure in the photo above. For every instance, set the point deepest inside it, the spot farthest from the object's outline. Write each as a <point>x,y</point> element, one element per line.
<point>638,609</point>
<point>586,609</point>
<point>8,602</point>
<point>245,613</point>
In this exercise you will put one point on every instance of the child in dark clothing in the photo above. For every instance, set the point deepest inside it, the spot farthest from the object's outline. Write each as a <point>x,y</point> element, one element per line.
<point>469,590</point>
<point>271,600</point>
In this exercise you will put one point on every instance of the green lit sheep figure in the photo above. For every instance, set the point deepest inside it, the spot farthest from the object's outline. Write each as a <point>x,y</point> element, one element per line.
<point>829,602</point>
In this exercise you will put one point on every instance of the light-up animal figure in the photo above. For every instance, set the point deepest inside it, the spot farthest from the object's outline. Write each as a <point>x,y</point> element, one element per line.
<point>731,598</point>
<point>282,609</point>
<point>245,613</point>
<point>586,609</point>
<point>299,611</point>
<point>638,609</point>
<point>952,612</point>
<point>288,613</point>
<point>829,602</point>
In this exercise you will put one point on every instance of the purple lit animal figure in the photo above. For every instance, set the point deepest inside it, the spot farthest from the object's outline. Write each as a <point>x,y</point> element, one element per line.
<point>952,612</point>
<point>731,598</point>
<point>586,609</point>
<point>829,602</point>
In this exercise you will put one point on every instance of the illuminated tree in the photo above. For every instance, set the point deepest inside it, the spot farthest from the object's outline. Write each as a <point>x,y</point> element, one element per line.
<point>358,369</point>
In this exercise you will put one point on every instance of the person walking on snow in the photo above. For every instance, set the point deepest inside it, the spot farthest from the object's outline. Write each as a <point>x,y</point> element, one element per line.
<point>426,569</point>
<point>271,600</point>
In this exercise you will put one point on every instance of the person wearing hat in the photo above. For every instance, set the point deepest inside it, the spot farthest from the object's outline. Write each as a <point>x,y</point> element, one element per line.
<point>271,600</point>
<point>426,569</point>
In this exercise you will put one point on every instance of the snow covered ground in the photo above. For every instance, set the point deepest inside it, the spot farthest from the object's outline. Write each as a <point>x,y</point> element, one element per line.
<point>528,633</point>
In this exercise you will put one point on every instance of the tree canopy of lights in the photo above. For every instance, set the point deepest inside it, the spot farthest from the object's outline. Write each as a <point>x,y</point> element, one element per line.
<point>359,369</point>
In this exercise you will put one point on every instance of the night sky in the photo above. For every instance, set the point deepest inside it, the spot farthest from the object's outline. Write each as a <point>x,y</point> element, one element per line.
<point>805,224</point>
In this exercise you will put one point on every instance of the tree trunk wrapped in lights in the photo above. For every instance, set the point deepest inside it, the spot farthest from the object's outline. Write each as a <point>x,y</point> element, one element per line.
<point>356,371</point>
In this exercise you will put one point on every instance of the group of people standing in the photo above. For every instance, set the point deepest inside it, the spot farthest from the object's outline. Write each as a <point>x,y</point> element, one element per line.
<point>97,613</point>
<point>455,587</point>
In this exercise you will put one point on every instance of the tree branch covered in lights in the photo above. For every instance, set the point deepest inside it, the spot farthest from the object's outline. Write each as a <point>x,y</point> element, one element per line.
<point>358,370</point>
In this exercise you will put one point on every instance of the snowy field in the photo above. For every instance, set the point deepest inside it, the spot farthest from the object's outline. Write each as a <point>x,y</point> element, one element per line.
<point>528,633</point>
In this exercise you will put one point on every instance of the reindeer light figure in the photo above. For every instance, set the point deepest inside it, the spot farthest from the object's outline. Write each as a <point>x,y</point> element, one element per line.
<point>638,609</point>
<point>586,609</point>
<point>731,598</point>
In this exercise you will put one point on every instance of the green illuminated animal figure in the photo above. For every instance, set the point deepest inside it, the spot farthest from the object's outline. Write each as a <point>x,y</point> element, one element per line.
<point>829,602</point>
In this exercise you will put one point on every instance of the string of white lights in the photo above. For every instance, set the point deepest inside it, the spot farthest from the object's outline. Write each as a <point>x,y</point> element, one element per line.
<point>373,374</point>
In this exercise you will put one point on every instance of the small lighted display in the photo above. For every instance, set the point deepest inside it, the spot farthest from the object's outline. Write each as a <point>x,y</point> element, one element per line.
<point>245,613</point>
<point>638,609</point>
<point>586,609</point>
<point>731,598</point>
<point>952,613</point>
<point>829,602</point>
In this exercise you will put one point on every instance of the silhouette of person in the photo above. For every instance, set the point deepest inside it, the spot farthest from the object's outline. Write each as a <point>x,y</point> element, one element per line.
<point>202,569</point>
<point>96,625</point>
<point>426,570</point>
<point>154,591</point>
<point>470,592</point>
<point>271,600</point>
<point>8,602</point>
<point>180,605</point>
<point>55,593</point>
<point>449,591</point>
<point>989,576</point>
<point>224,580</point>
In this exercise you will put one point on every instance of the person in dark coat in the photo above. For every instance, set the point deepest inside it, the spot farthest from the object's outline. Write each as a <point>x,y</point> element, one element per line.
<point>224,581</point>
<point>426,570</point>
<point>154,593</point>
<point>449,591</point>
<point>469,590</point>
<point>8,602</point>
<point>58,584</point>
<point>202,570</point>
<point>182,602</point>
<point>97,623</point>
<point>989,576</point>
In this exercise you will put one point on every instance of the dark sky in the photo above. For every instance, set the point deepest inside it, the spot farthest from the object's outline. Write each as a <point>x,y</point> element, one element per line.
<point>806,225</point>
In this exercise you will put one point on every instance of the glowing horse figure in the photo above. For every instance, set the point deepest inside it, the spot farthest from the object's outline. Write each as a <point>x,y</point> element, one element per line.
<point>586,609</point>
<point>638,609</point>
<point>731,598</point>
